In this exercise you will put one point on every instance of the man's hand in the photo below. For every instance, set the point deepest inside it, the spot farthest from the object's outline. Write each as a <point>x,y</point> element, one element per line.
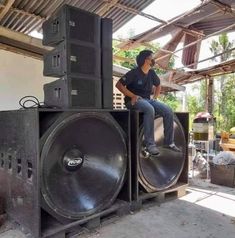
<point>134,99</point>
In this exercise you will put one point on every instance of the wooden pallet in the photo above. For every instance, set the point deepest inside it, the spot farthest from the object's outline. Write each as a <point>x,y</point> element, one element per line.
<point>120,208</point>
<point>150,199</point>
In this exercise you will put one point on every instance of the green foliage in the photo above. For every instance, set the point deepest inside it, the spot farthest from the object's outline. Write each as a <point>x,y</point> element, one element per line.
<point>228,121</point>
<point>223,44</point>
<point>224,96</point>
<point>132,53</point>
<point>171,100</point>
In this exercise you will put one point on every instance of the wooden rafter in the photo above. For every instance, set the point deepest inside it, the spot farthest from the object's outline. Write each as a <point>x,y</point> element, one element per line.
<point>195,42</point>
<point>223,7</point>
<point>6,8</point>
<point>108,5</point>
<point>19,11</point>
<point>116,4</point>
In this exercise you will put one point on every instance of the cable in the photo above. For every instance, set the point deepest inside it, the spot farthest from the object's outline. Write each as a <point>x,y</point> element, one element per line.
<point>33,101</point>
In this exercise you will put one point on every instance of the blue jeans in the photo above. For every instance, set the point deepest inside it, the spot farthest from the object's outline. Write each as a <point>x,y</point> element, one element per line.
<point>151,108</point>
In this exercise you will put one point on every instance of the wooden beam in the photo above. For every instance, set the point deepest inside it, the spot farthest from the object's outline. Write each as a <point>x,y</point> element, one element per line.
<point>20,51</point>
<point>108,5</point>
<point>225,8</point>
<point>7,7</point>
<point>171,85</point>
<point>136,12</point>
<point>191,31</point>
<point>21,42</point>
<point>170,47</point>
<point>123,59</point>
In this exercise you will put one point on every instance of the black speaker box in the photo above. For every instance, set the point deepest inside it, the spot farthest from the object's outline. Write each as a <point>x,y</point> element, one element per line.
<point>54,162</point>
<point>170,168</point>
<point>74,92</point>
<point>107,62</point>
<point>73,57</point>
<point>71,23</point>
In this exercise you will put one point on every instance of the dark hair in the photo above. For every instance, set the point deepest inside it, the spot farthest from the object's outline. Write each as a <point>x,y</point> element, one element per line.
<point>140,58</point>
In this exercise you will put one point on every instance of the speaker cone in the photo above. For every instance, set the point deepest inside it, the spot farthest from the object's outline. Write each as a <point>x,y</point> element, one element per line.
<point>83,164</point>
<point>162,171</point>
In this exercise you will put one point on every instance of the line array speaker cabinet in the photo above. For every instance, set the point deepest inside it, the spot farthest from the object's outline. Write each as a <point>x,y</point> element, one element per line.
<point>74,92</point>
<point>83,47</point>
<point>73,24</point>
<point>55,166</point>
<point>73,58</point>
<point>107,63</point>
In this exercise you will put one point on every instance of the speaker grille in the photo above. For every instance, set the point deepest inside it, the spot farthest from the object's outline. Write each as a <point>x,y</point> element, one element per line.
<point>73,58</point>
<point>84,92</point>
<point>72,23</point>
<point>84,59</point>
<point>80,92</point>
<point>83,26</point>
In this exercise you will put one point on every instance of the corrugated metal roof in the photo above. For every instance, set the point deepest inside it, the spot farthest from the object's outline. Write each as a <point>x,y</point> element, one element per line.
<point>212,17</point>
<point>182,78</point>
<point>207,17</point>
<point>28,15</point>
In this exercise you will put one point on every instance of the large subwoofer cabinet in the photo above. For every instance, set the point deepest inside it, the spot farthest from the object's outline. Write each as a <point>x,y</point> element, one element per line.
<point>155,176</point>
<point>59,168</point>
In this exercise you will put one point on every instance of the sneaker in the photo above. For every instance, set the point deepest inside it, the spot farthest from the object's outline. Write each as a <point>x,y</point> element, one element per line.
<point>173,147</point>
<point>153,150</point>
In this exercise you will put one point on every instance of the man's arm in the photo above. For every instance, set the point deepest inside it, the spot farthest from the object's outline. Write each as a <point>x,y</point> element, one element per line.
<point>157,85</point>
<point>157,91</point>
<point>127,92</point>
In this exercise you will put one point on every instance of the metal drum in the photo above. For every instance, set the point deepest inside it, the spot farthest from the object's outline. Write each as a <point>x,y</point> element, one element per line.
<point>162,171</point>
<point>203,127</point>
<point>83,164</point>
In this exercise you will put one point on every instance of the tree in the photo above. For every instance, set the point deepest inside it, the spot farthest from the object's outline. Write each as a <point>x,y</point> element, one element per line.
<point>223,44</point>
<point>132,53</point>
<point>229,108</point>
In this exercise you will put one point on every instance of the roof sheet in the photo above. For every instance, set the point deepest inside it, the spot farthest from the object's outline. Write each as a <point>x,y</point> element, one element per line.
<point>28,15</point>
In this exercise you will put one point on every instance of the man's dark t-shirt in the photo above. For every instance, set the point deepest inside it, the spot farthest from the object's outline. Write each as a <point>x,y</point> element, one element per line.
<point>139,83</point>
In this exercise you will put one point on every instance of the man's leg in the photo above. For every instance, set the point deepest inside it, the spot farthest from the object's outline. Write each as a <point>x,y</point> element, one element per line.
<point>149,115</point>
<point>166,113</point>
<point>163,110</point>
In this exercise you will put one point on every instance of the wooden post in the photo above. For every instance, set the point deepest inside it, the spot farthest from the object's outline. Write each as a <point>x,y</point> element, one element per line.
<point>209,97</point>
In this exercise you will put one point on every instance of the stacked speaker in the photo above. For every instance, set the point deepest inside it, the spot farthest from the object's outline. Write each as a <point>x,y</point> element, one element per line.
<point>81,59</point>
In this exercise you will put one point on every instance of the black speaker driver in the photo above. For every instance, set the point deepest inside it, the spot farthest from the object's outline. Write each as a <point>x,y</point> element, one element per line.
<point>83,164</point>
<point>160,172</point>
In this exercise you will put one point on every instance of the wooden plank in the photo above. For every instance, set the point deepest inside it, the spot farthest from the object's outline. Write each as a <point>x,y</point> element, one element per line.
<point>7,7</point>
<point>20,51</point>
<point>22,38</point>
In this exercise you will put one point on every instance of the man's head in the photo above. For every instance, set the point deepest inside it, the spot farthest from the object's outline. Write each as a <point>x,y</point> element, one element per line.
<point>145,57</point>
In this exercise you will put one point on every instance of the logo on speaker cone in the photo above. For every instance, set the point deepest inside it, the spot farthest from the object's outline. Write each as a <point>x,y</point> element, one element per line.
<point>75,162</point>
